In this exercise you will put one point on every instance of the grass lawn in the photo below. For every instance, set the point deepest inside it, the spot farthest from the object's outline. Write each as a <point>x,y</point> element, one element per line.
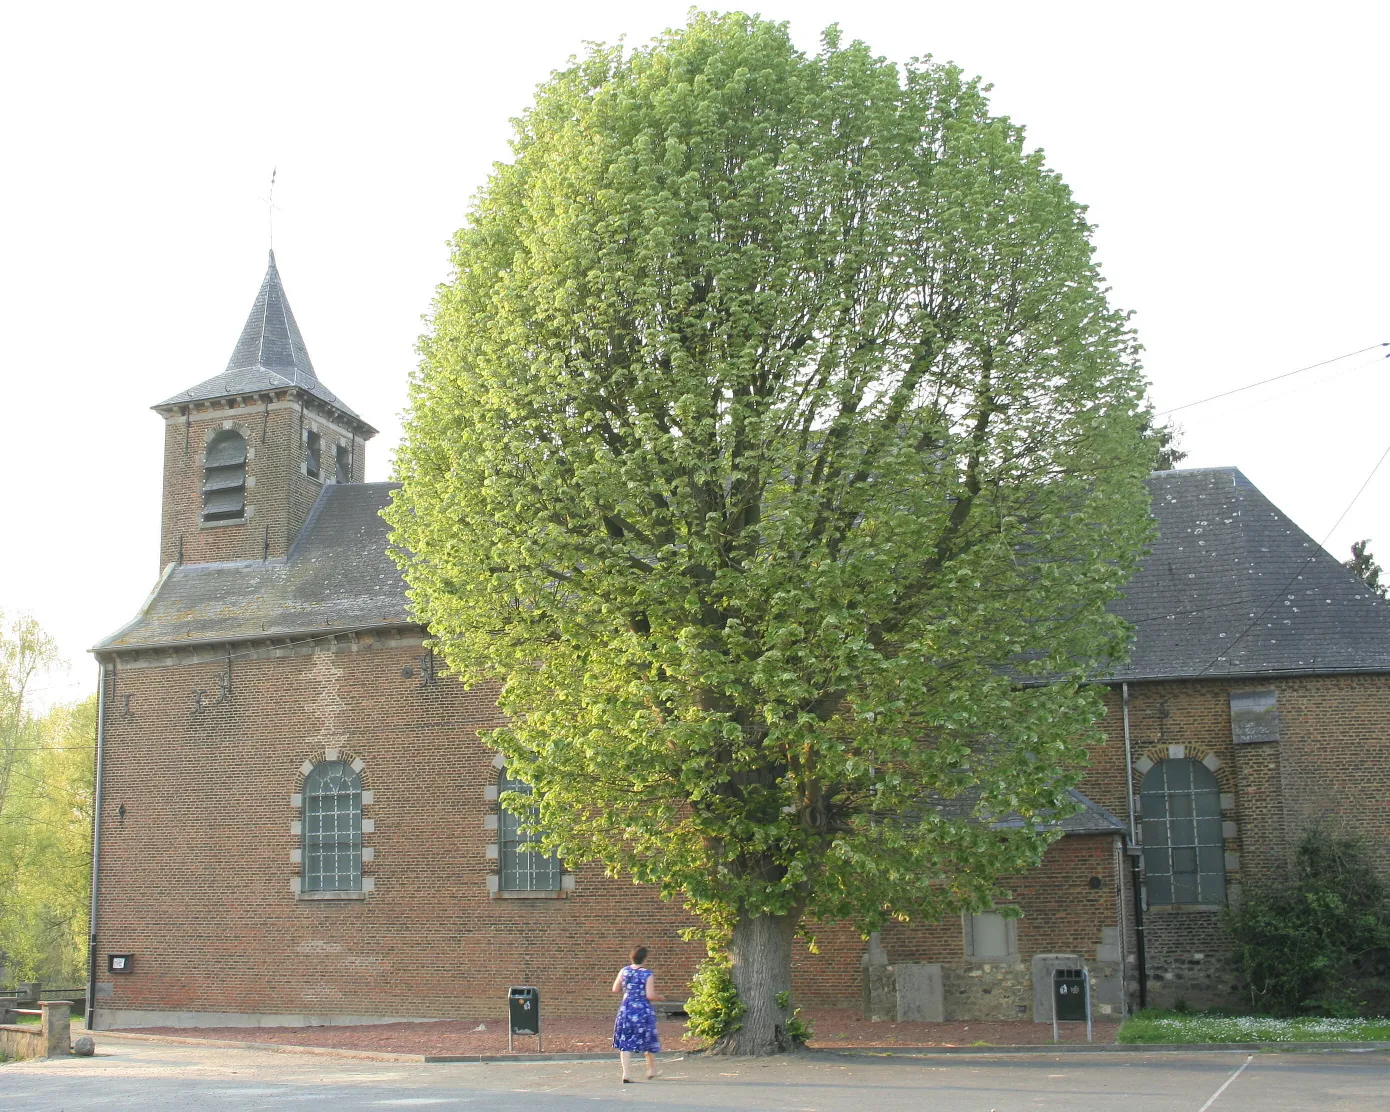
<point>1152,1026</point>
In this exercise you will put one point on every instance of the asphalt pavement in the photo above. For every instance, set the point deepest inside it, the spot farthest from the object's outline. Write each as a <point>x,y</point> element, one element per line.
<point>142,1075</point>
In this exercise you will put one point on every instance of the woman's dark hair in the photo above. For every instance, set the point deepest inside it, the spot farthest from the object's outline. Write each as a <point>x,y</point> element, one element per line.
<point>639,955</point>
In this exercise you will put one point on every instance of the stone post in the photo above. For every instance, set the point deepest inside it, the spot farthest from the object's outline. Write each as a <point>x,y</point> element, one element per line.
<point>56,1027</point>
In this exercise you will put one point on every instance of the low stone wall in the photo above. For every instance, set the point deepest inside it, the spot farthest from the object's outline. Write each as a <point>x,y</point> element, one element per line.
<point>49,1039</point>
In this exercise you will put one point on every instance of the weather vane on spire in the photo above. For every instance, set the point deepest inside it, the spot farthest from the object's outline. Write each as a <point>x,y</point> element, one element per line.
<point>270,208</point>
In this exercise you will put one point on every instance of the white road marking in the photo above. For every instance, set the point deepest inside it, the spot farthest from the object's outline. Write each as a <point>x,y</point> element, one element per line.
<point>1225,1083</point>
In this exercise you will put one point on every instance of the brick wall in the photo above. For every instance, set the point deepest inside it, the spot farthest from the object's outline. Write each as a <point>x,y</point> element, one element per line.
<point>279,491</point>
<point>1331,764</point>
<point>195,878</point>
<point>196,875</point>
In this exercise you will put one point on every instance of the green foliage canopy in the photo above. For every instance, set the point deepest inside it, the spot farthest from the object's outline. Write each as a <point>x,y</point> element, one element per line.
<point>773,426</point>
<point>46,783</point>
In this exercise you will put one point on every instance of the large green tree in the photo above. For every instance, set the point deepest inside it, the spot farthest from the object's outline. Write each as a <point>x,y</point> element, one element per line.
<point>775,446</point>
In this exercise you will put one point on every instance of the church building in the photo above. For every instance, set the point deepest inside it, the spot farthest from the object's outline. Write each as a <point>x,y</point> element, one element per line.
<point>298,822</point>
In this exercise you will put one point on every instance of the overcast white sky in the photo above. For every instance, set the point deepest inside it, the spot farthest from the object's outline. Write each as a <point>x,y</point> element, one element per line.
<point>1234,158</point>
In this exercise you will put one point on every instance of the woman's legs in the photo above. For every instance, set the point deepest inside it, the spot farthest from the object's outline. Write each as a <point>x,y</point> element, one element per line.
<point>651,1065</point>
<point>625,1057</point>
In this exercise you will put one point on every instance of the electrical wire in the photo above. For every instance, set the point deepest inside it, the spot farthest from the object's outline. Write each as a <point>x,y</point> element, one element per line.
<point>1276,378</point>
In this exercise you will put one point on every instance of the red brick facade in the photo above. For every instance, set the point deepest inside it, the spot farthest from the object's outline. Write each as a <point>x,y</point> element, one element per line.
<point>279,491</point>
<point>205,745</point>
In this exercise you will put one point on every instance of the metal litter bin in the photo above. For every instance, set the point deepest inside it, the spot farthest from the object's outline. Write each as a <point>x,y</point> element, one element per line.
<point>1071,998</point>
<point>524,1013</point>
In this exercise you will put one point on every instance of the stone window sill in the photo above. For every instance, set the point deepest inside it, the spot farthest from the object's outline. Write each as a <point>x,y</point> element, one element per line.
<point>1166,908</point>
<point>226,523</point>
<point>330,895</point>
<point>508,895</point>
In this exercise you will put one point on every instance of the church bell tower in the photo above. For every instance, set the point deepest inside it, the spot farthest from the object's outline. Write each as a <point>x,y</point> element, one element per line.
<point>247,452</point>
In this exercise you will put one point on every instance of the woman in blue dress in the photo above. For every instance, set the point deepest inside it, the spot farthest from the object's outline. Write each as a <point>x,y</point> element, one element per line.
<point>635,1028</point>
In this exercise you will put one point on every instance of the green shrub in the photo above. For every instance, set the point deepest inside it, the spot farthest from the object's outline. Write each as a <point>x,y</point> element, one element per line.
<point>714,1008</point>
<point>797,1028</point>
<point>1307,937</point>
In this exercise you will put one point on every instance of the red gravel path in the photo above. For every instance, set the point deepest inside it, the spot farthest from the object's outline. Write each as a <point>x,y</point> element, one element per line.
<point>834,1027</point>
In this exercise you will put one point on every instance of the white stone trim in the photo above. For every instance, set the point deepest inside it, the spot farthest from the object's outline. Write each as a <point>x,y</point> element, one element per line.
<point>297,828</point>
<point>490,851</point>
<point>499,762</point>
<point>297,856</point>
<point>368,798</point>
<point>368,854</point>
<point>494,882</point>
<point>490,793</point>
<point>567,882</point>
<point>1177,752</point>
<point>489,822</point>
<point>297,801</point>
<point>368,827</point>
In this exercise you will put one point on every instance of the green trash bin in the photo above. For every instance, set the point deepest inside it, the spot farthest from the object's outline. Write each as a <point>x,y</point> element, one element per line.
<point>1069,994</point>
<point>523,1013</point>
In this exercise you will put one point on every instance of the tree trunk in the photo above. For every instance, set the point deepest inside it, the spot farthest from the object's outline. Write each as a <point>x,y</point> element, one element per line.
<point>761,950</point>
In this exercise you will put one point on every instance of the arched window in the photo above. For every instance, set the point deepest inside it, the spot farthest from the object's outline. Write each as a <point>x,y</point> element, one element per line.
<point>1184,853</point>
<point>523,870</point>
<point>224,477</point>
<point>332,829</point>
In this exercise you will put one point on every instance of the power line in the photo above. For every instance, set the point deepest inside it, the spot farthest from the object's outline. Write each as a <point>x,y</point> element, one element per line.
<point>1276,378</point>
<point>1322,546</point>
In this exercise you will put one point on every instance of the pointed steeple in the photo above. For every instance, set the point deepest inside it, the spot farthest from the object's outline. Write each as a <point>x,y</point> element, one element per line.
<point>269,355</point>
<point>271,340</point>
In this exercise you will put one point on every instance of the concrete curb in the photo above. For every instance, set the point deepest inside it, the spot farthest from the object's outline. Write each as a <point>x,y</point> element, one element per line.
<point>1034,1049</point>
<point>1104,1048</point>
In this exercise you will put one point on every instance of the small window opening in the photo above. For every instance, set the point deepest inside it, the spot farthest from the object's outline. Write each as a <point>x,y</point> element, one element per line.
<point>313,453</point>
<point>224,477</point>
<point>342,460</point>
<point>332,829</point>
<point>524,869</point>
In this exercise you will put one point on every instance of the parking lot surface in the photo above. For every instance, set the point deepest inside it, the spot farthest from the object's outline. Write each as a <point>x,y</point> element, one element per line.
<point>131,1075</point>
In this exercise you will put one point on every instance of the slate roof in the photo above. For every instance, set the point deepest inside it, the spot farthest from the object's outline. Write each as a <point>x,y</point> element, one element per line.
<point>338,576</point>
<point>1092,818</point>
<point>1232,587</point>
<point>269,355</point>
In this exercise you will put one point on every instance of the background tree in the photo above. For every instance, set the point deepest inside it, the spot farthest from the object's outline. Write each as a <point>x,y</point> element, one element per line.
<point>772,429</point>
<point>45,816</point>
<point>1363,565</point>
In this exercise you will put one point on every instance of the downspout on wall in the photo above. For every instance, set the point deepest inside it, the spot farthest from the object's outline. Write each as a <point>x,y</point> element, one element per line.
<point>1133,851</point>
<point>96,849</point>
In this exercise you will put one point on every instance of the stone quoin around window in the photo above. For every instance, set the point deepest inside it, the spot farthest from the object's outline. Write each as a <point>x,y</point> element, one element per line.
<point>332,830</point>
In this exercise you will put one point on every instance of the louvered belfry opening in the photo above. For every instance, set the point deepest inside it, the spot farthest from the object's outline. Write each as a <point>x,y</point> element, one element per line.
<point>224,477</point>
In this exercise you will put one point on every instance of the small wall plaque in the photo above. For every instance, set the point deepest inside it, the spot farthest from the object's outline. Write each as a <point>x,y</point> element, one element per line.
<point>120,963</point>
<point>1254,716</point>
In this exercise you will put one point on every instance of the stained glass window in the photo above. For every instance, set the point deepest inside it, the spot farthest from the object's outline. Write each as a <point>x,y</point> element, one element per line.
<point>332,829</point>
<point>1184,851</point>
